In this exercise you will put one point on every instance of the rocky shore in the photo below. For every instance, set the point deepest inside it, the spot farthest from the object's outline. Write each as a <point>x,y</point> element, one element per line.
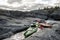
<point>13,24</point>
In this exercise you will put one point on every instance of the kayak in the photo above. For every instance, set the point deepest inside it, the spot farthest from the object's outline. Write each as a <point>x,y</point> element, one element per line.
<point>45,25</point>
<point>30,31</point>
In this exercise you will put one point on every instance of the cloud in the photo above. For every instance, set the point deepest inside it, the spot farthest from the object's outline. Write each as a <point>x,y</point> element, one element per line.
<point>3,2</point>
<point>49,2</point>
<point>27,4</point>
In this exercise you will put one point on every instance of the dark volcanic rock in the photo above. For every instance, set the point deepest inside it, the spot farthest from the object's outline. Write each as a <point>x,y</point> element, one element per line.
<point>42,14</point>
<point>56,15</point>
<point>3,21</point>
<point>16,14</point>
<point>50,34</point>
<point>7,31</point>
<point>11,25</point>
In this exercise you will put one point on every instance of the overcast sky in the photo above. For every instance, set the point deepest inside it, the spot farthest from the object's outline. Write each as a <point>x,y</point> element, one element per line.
<point>49,2</point>
<point>38,1</point>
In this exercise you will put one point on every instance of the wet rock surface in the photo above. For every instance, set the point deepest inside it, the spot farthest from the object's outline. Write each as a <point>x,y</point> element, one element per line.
<point>7,31</point>
<point>18,14</point>
<point>12,22</point>
<point>47,34</point>
<point>10,27</point>
<point>42,14</point>
<point>56,15</point>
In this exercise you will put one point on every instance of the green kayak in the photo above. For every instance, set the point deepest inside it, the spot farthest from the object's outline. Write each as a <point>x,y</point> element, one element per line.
<point>30,31</point>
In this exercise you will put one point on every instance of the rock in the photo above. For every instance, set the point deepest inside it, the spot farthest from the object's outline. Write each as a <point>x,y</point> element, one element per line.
<point>3,21</point>
<point>56,15</point>
<point>13,22</point>
<point>46,34</point>
<point>39,14</point>
<point>7,31</point>
<point>18,14</point>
